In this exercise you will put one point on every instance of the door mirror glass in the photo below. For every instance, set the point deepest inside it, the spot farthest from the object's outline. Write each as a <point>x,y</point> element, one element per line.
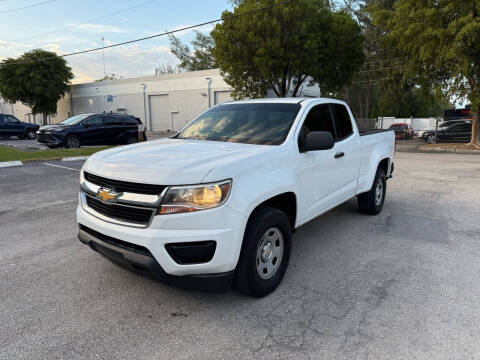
<point>318,140</point>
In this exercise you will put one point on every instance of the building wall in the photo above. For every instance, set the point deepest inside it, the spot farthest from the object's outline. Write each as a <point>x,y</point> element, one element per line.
<point>186,97</point>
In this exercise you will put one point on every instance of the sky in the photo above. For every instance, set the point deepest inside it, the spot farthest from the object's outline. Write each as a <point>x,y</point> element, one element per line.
<point>26,29</point>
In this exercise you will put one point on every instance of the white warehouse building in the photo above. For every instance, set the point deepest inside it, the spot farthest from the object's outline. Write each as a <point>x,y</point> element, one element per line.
<point>163,103</point>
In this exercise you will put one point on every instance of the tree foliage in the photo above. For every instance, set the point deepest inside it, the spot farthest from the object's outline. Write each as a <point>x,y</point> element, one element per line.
<point>201,58</point>
<point>37,78</point>
<point>282,46</point>
<point>441,41</point>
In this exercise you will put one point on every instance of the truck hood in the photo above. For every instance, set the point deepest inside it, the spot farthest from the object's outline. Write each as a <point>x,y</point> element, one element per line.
<point>169,161</point>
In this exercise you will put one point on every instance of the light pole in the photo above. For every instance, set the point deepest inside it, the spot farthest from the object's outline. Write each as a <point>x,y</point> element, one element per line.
<point>103,55</point>
<point>208,94</point>
<point>145,108</point>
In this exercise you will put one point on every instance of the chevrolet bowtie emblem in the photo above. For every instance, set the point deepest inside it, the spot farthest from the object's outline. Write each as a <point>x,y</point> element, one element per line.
<point>107,194</point>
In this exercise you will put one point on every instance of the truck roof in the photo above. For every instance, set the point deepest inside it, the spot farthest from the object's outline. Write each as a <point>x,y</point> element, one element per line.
<point>285,100</point>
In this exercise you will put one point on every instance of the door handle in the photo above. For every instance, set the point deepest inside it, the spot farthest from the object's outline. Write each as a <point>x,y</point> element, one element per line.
<point>339,155</point>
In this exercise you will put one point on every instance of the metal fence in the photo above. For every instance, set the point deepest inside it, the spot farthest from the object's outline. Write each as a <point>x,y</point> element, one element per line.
<point>430,130</point>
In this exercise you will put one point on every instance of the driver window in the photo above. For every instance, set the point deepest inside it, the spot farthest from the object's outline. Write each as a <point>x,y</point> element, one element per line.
<point>318,119</point>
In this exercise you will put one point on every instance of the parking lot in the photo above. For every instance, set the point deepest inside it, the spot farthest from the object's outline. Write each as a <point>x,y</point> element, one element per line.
<point>400,285</point>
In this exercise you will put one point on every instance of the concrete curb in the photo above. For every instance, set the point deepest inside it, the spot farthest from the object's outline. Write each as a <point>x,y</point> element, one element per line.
<point>75,158</point>
<point>5,164</point>
<point>450,151</point>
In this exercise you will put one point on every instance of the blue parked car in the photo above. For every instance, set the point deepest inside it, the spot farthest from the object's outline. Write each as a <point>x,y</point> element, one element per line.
<point>91,129</point>
<point>11,126</point>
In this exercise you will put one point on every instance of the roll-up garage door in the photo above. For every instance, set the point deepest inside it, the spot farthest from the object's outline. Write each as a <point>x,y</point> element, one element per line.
<point>159,112</point>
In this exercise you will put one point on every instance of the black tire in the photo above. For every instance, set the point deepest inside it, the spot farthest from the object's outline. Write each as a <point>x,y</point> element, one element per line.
<point>369,202</point>
<point>52,146</point>
<point>72,142</point>
<point>131,140</point>
<point>30,134</point>
<point>247,279</point>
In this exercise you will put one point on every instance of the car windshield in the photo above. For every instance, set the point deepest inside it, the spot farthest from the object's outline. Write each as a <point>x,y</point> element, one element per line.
<point>398,126</point>
<point>253,123</point>
<point>74,119</point>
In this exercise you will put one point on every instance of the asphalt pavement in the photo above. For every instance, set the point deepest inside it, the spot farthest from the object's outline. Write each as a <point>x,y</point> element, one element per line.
<point>400,285</point>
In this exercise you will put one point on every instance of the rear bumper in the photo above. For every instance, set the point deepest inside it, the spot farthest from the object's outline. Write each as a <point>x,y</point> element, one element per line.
<point>143,262</point>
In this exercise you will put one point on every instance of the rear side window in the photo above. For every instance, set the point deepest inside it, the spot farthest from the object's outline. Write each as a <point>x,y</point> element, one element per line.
<point>111,120</point>
<point>9,119</point>
<point>343,123</point>
<point>318,119</point>
<point>130,121</point>
<point>1,119</point>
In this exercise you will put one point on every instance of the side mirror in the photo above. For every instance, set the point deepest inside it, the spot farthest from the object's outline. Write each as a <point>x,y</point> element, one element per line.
<point>318,140</point>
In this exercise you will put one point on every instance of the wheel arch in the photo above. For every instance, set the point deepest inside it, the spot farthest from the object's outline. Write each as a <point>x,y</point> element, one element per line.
<point>285,202</point>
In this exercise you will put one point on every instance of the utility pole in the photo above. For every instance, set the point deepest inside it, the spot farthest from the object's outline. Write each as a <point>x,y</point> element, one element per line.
<point>103,54</point>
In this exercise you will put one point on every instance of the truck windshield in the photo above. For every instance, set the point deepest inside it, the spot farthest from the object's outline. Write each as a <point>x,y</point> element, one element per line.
<point>254,123</point>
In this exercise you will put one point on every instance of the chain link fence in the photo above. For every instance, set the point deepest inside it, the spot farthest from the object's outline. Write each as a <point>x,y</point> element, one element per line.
<point>430,130</point>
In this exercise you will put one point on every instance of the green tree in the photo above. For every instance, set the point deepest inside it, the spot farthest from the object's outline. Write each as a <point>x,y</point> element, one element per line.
<point>201,58</point>
<point>441,40</point>
<point>280,47</point>
<point>37,78</point>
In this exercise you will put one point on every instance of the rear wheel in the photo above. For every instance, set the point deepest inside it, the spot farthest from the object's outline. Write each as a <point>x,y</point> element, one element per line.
<point>30,134</point>
<point>431,139</point>
<point>72,142</point>
<point>131,140</point>
<point>372,201</point>
<point>265,253</point>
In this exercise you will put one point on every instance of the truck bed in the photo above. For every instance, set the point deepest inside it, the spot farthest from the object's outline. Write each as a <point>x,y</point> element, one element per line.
<point>372,131</point>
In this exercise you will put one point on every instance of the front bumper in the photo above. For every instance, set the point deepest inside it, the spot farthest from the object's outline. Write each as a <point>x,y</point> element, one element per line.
<point>222,225</point>
<point>146,264</point>
<point>48,139</point>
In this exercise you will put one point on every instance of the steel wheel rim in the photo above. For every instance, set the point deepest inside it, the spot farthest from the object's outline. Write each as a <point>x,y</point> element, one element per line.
<point>270,253</point>
<point>379,192</point>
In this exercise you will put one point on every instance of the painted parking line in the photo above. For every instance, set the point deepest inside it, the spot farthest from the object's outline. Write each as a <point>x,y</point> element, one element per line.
<point>75,158</point>
<point>5,164</point>
<point>63,167</point>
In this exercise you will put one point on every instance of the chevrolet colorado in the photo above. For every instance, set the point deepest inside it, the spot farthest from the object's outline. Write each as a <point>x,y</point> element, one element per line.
<point>217,203</point>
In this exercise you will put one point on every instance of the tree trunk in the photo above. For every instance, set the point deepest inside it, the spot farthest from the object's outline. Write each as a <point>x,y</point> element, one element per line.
<point>475,141</point>
<point>45,119</point>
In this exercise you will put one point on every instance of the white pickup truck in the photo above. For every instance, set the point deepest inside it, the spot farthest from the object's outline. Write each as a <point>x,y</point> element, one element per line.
<point>218,202</point>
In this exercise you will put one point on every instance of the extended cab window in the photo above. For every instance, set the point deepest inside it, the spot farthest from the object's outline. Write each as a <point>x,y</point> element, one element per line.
<point>318,119</point>
<point>254,123</point>
<point>343,123</point>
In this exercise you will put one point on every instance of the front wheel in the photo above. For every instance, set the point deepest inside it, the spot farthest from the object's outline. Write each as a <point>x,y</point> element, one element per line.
<point>72,142</point>
<point>371,202</point>
<point>265,253</point>
<point>431,139</point>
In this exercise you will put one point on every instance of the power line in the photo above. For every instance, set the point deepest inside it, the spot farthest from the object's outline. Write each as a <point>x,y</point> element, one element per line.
<point>164,33</point>
<point>88,21</point>
<point>26,7</point>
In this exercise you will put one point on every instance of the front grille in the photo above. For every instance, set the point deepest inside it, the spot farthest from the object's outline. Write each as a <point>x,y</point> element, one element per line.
<point>120,243</point>
<point>121,212</point>
<point>44,138</point>
<point>124,186</point>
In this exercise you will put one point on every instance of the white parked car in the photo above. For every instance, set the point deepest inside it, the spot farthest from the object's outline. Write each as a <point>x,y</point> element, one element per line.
<point>218,202</point>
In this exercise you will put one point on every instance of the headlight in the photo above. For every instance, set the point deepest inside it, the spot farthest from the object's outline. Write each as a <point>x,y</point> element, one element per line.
<point>182,199</point>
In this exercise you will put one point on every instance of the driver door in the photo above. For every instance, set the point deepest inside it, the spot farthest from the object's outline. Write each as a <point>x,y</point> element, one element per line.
<point>317,169</point>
